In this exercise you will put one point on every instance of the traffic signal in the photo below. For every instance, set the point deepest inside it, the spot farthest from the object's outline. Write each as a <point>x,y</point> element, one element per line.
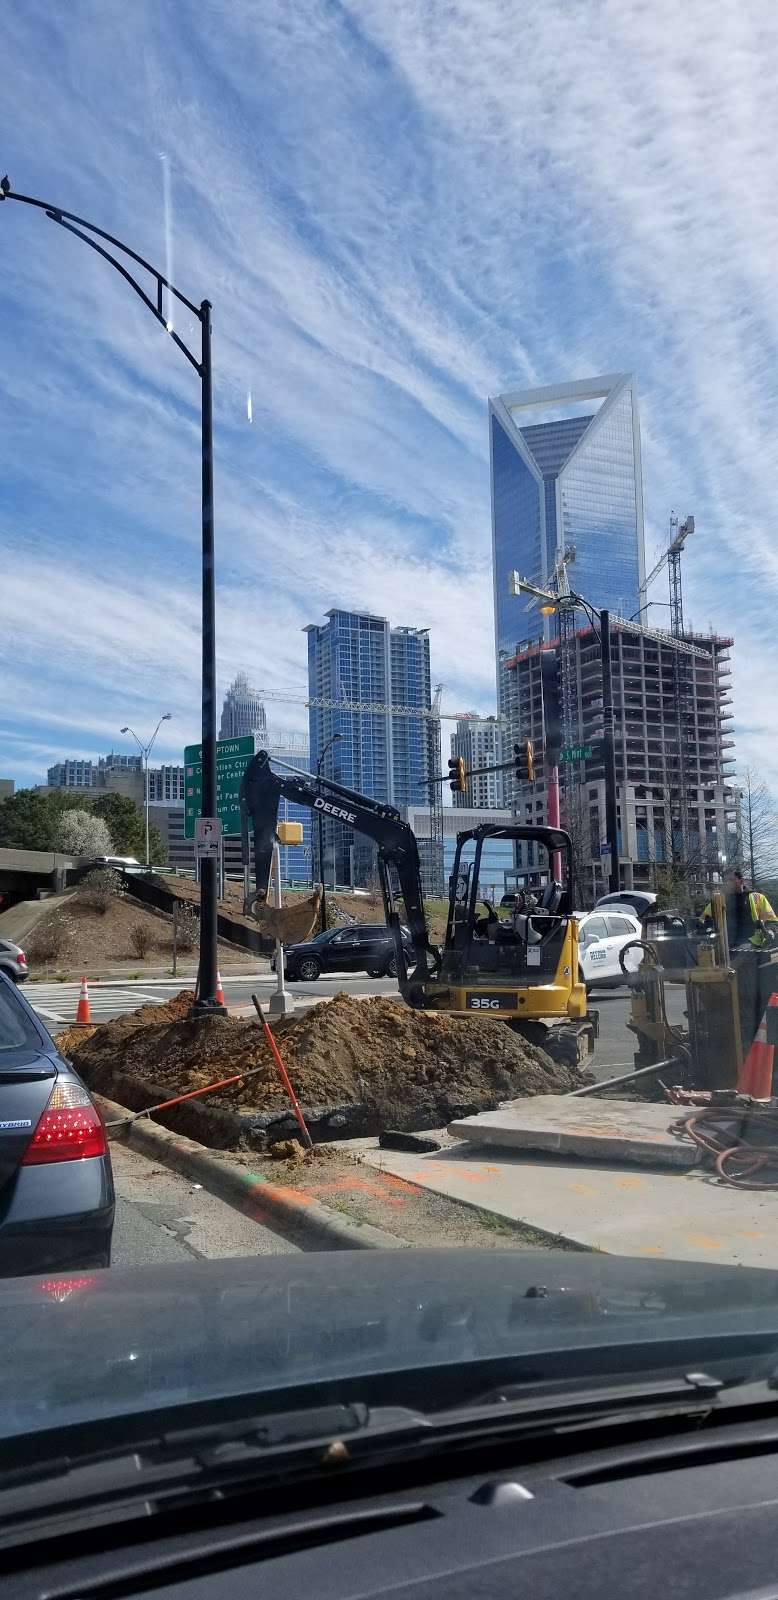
<point>456,772</point>
<point>524,761</point>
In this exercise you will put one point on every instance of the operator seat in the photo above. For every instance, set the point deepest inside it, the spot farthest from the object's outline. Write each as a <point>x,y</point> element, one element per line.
<point>551,898</point>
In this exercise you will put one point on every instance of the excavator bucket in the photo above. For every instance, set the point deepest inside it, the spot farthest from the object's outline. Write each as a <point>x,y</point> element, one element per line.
<point>290,924</point>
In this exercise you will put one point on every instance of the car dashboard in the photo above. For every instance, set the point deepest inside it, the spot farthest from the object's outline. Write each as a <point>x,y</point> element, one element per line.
<point>696,1513</point>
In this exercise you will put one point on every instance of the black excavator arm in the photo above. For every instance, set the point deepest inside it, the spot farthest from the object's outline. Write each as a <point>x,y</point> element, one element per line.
<point>260,791</point>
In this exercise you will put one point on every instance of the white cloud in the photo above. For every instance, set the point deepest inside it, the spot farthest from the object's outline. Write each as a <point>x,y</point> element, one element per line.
<point>397,208</point>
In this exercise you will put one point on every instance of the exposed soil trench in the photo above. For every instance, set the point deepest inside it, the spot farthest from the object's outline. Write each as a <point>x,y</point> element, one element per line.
<point>358,1066</point>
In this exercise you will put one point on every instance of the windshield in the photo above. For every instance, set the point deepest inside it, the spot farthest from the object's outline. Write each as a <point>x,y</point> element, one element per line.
<point>388,778</point>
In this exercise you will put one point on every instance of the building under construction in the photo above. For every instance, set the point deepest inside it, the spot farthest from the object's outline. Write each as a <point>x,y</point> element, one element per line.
<point>674,753</point>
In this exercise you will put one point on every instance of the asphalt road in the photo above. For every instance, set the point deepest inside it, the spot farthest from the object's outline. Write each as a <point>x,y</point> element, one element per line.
<point>616,1045</point>
<point>162,1217</point>
<point>238,991</point>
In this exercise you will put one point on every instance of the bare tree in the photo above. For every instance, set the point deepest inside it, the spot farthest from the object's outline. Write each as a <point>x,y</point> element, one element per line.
<point>574,816</point>
<point>99,890</point>
<point>758,833</point>
<point>684,860</point>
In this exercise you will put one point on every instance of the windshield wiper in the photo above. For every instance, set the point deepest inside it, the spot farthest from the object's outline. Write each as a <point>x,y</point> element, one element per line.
<point>304,1443</point>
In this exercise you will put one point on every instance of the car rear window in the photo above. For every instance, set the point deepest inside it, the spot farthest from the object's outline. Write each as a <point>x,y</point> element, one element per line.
<point>16,1030</point>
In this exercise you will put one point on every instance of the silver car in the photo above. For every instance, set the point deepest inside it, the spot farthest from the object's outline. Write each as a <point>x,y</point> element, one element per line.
<point>13,961</point>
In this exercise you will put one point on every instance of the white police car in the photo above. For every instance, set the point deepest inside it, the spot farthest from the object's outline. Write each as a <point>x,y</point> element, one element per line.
<point>602,935</point>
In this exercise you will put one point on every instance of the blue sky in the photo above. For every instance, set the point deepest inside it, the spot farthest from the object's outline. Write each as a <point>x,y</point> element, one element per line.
<point>397,207</point>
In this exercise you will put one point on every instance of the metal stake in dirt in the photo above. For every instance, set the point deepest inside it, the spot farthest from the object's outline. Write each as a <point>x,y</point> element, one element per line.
<point>284,1076</point>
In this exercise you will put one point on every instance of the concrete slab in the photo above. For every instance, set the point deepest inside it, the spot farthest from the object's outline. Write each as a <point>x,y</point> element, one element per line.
<point>680,1216</point>
<point>612,1130</point>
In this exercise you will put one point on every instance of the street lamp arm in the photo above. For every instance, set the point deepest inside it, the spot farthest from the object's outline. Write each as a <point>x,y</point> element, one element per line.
<point>141,746</point>
<point>68,219</point>
<point>590,611</point>
<point>156,731</point>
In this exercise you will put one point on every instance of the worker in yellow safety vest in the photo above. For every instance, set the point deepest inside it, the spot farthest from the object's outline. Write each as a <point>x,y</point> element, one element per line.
<point>746,910</point>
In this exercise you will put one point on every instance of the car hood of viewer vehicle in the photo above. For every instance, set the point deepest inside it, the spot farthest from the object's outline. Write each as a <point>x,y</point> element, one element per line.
<point>91,1347</point>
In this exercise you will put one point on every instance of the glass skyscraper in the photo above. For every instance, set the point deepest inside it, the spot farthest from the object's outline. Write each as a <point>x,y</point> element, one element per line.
<point>355,656</point>
<point>565,472</point>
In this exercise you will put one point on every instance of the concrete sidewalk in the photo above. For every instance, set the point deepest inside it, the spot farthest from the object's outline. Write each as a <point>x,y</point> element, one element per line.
<point>683,1216</point>
<point>613,1131</point>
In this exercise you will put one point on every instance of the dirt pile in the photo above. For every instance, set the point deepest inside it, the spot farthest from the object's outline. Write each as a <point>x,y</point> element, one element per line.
<point>71,1040</point>
<point>413,1069</point>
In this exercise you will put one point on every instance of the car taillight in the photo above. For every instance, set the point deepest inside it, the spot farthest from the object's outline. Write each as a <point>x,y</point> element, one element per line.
<point>69,1129</point>
<point>21,958</point>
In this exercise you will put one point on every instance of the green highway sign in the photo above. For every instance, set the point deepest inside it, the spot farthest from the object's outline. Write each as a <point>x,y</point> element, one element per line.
<point>232,759</point>
<point>576,752</point>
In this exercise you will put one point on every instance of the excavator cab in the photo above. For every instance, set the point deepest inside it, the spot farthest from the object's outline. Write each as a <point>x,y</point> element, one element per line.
<point>518,961</point>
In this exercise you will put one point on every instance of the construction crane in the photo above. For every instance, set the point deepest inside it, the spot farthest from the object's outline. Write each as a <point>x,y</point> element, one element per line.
<point>679,533</point>
<point>379,707</point>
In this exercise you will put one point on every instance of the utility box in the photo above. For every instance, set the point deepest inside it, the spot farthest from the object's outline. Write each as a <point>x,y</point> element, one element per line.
<point>289,833</point>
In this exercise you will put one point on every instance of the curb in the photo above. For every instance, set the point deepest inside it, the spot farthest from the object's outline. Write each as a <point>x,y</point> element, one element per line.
<point>297,1217</point>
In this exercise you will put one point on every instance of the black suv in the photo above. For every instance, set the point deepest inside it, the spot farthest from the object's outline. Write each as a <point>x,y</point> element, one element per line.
<point>361,947</point>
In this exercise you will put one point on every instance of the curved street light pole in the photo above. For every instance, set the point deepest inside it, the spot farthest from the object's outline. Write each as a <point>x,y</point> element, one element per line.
<point>206,1003</point>
<point>145,750</point>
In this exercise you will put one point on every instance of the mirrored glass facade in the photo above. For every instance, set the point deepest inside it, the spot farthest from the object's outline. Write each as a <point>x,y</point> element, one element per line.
<point>517,523</point>
<point>599,500</point>
<point>570,480</point>
<point>356,656</point>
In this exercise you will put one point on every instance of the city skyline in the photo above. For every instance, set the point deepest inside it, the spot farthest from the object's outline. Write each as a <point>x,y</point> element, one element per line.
<point>515,206</point>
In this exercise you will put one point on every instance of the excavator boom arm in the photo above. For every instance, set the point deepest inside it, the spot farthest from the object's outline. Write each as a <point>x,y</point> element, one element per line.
<point>260,792</point>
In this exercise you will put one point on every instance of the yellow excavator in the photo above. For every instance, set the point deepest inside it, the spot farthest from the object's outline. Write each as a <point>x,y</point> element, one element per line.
<point>523,969</point>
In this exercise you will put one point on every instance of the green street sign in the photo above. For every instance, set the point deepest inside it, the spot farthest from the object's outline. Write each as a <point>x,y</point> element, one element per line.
<point>232,759</point>
<point>576,752</point>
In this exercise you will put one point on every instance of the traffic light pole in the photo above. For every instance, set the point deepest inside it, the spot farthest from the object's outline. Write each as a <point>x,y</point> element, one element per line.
<point>476,772</point>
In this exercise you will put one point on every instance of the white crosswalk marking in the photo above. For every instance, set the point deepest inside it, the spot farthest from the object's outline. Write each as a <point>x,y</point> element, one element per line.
<point>57,1002</point>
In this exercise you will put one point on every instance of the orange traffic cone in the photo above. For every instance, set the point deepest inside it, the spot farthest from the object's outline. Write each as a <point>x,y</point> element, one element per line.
<point>219,989</point>
<point>756,1074</point>
<point>83,1013</point>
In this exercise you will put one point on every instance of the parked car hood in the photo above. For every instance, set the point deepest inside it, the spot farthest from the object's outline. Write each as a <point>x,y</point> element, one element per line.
<point>89,1347</point>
